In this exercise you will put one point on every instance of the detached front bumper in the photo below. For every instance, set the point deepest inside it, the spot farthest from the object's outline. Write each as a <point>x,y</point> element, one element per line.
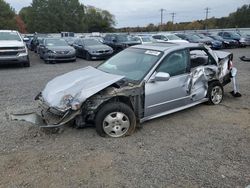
<point>42,121</point>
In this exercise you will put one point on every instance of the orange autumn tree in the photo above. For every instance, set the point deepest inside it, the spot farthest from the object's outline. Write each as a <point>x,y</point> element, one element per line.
<point>20,24</point>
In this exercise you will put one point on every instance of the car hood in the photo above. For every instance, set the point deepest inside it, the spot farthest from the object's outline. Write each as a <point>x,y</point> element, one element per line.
<point>80,84</point>
<point>60,48</point>
<point>11,43</point>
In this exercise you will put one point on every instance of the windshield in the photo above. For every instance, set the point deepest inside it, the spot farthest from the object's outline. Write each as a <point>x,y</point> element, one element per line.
<point>125,38</point>
<point>132,63</point>
<point>10,36</point>
<point>193,37</point>
<point>91,42</point>
<point>173,37</point>
<point>146,39</point>
<point>56,42</point>
<point>216,37</point>
<point>235,35</point>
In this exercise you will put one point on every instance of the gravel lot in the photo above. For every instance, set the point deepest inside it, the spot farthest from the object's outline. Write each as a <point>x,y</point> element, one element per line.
<point>205,146</point>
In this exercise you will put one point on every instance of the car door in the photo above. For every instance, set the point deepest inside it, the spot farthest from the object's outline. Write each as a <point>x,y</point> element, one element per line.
<point>75,45</point>
<point>161,96</point>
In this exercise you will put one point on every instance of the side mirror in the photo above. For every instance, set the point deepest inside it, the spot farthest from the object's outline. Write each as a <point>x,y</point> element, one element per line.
<point>25,39</point>
<point>160,76</point>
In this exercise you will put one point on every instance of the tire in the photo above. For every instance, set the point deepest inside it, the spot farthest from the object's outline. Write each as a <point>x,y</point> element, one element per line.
<point>215,93</point>
<point>88,56</point>
<point>27,63</point>
<point>46,61</point>
<point>115,120</point>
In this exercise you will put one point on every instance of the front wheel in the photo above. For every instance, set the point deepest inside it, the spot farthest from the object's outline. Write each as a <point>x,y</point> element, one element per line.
<point>215,93</point>
<point>115,120</point>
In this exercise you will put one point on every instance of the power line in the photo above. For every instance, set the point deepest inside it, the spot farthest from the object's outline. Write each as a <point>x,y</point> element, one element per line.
<point>173,15</point>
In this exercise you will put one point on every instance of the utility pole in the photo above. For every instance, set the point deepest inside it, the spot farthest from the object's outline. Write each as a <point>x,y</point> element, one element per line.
<point>162,10</point>
<point>207,12</point>
<point>173,15</point>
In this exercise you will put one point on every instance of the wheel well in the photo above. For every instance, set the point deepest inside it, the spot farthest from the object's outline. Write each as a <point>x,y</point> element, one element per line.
<point>122,99</point>
<point>212,81</point>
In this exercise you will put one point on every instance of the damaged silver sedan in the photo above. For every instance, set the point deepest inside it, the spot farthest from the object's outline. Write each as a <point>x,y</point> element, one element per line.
<point>138,84</point>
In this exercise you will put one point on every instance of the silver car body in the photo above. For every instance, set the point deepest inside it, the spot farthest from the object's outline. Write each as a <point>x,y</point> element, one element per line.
<point>90,88</point>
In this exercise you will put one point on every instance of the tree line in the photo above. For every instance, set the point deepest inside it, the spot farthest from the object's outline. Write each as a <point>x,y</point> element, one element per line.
<point>53,16</point>
<point>238,19</point>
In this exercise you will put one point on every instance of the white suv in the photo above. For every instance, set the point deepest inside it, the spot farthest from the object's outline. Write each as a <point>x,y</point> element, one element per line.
<point>13,49</point>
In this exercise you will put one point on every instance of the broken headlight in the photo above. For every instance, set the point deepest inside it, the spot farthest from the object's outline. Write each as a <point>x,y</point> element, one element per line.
<point>70,101</point>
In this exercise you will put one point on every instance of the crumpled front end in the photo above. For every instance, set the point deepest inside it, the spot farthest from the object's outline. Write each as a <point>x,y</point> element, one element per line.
<point>63,97</point>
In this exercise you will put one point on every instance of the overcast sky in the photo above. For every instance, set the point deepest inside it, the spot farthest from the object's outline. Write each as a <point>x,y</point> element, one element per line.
<point>143,12</point>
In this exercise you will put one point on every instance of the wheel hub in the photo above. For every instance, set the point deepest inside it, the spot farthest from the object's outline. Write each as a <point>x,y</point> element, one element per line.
<point>116,124</point>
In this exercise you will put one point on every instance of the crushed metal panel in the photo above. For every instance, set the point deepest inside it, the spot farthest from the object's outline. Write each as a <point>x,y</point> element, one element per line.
<point>197,82</point>
<point>32,117</point>
<point>38,120</point>
<point>80,84</point>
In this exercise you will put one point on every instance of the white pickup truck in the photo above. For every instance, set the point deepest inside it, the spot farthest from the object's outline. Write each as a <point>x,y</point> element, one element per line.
<point>12,48</point>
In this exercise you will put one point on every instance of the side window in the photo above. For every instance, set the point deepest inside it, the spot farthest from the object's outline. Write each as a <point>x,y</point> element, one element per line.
<point>79,42</point>
<point>200,57</point>
<point>113,38</point>
<point>107,38</point>
<point>164,38</point>
<point>175,64</point>
<point>157,37</point>
<point>226,34</point>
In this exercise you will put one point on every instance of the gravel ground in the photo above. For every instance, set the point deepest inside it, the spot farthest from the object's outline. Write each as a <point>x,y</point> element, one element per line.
<point>205,146</point>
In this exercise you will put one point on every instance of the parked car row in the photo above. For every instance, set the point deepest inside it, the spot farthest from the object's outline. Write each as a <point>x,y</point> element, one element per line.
<point>55,49</point>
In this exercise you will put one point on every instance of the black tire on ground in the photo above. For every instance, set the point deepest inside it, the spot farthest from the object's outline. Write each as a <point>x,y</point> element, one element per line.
<point>88,56</point>
<point>46,61</point>
<point>115,108</point>
<point>215,93</point>
<point>27,63</point>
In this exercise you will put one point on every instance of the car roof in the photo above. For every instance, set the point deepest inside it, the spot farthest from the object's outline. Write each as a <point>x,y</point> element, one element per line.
<point>166,46</point>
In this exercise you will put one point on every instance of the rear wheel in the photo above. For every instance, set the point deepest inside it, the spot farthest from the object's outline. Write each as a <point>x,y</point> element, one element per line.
<point>215,93</point>
<point>115,120</point>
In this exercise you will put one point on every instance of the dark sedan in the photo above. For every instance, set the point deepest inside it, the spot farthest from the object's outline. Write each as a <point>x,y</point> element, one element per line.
<point>214,44</point>
<point>227,43</point>
<point>56,49</point>
<point>190,37</point>
<point>92,49</point>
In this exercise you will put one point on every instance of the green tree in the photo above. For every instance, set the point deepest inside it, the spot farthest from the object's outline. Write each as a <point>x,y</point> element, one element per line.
<point>54,16</point>
<point>7,16</point>
<point>98,20</point>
